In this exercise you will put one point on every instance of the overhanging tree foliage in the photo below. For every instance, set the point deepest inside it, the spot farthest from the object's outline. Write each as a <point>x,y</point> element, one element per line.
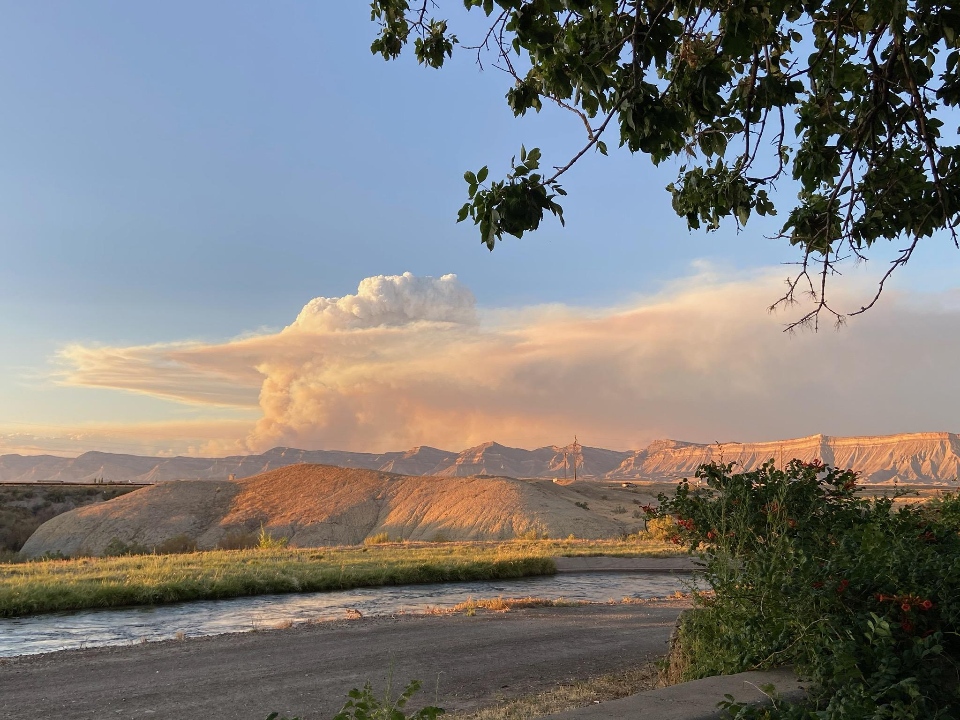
<point>849,98</point>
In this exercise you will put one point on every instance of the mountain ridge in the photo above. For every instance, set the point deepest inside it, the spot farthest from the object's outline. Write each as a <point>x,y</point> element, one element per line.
<point>922,458</point>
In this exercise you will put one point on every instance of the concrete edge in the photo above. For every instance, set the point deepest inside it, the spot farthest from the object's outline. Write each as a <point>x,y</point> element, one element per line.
<point>695,700</point>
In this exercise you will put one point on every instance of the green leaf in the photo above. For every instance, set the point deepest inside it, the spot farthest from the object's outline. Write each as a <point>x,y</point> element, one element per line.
<point>482,175</point>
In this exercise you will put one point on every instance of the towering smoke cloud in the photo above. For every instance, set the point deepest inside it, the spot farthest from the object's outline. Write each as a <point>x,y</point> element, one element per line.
<point>391,300</point>
<point>407,361</point>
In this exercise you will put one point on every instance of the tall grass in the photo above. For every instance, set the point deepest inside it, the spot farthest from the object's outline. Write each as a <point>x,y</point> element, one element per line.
<point>53,585</point>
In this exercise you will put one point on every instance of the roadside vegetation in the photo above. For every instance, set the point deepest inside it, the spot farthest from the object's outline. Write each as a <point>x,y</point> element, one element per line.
<point>569,696</point>
<point>862,596</point>
<point>54,585</point>
<point>366,705</point>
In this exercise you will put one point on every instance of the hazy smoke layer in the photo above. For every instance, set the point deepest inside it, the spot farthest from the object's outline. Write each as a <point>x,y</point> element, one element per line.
<point>405,361</point>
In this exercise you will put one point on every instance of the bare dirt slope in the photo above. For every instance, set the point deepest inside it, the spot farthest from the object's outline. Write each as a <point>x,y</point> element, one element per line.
<point>306,671</point>
<point>315,505</point>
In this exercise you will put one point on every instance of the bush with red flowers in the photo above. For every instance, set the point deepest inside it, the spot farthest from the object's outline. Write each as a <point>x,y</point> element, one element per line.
<point>861,595</point>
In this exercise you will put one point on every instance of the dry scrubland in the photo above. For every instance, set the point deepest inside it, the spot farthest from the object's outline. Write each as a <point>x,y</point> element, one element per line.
<point>52,585</point>
<point>321,505</point>
<point>24,508</point>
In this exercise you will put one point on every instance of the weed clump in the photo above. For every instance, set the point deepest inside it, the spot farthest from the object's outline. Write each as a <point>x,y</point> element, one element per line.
<point>266,541</point>
<point>365,705</point>
<point>380,538</point>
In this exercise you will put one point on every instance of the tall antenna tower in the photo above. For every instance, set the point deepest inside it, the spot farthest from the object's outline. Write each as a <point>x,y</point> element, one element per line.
<point>576,456</point>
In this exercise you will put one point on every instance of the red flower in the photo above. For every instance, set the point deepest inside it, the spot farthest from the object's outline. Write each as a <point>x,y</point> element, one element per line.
<point>926,605</point>
<point>818,585</point>
<point>907,625</point>
<point>675,539</point>
<point>844,584</point>
<point>905,607</point>
<point>711,535</point>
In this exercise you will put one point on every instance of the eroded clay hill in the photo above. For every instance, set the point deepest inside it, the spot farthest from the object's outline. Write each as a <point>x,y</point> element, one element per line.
<point>315,505</point>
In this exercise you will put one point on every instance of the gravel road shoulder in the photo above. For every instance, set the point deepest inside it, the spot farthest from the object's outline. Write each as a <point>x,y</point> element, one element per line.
<point>464,662</point>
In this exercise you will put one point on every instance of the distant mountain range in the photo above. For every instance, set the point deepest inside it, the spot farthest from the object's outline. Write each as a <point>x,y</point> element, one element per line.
<point>927,458</point>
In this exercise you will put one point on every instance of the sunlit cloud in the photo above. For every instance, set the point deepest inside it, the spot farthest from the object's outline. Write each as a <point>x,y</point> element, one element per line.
<point>408,361</point>
<point>171,371</point>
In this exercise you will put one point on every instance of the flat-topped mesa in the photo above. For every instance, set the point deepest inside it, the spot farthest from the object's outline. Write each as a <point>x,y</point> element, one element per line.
<point>931,457</point>
<point>909,457</point>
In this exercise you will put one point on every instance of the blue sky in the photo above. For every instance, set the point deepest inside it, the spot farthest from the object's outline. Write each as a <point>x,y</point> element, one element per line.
<point>194,172</point>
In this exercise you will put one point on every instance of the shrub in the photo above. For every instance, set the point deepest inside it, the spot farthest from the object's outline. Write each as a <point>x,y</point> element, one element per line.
<point>177,544</point>
<point>619,510</point>
<point>582,505</point>
<point>862,597</point>
<point>380,538</point>
<point>238,540</point>
<point>117,547</point>
<point>266,541</point>
<point>537,532</point>
<point>661,529</point>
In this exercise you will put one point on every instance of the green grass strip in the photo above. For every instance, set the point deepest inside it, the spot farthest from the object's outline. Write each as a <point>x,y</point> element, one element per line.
<point>55,585</point>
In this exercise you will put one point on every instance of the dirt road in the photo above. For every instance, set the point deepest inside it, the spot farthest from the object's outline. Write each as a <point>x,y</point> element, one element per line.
<point>307,670</point>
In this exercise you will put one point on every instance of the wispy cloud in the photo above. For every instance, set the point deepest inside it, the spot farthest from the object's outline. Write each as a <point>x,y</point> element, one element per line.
<point>410,361</point>
<point>189,437</point>
<point>179,372</point>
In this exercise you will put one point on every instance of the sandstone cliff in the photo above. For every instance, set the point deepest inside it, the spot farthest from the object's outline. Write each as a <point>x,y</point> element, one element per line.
<point>925,458</point>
